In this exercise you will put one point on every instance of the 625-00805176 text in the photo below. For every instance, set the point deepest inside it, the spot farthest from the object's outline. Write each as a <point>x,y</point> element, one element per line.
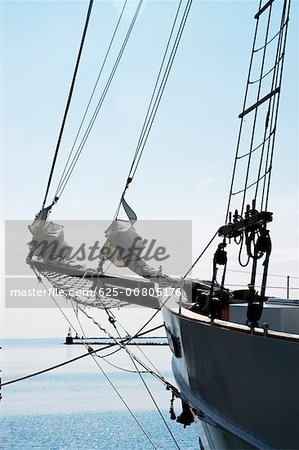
<point>102,292</point>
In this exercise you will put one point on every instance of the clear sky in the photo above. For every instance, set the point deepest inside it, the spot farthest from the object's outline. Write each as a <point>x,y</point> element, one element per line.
<point>187,164</point>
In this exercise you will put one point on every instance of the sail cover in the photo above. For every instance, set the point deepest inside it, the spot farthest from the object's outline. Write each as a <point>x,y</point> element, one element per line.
<point>48,241</point>
<point>124,247</point>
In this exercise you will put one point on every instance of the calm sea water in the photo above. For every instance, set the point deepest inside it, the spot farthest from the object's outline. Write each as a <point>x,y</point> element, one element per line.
<point>75,407</point>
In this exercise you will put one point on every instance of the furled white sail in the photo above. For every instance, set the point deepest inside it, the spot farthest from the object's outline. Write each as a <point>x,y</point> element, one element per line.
<point>48,240</point>
<point>124,247</point>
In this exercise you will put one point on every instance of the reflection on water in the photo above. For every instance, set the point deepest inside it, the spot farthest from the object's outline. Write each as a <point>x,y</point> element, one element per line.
<point>75,406</point>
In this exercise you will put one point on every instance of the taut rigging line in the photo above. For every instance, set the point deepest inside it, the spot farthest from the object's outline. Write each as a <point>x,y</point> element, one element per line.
<point>69,361</point>
<point>67,173</point>
<point>134,359</point>
<point>265,108</point>
<point>68,101</point>
<point>70,165</point>
<point>157,94</point>
<point>91,95</point>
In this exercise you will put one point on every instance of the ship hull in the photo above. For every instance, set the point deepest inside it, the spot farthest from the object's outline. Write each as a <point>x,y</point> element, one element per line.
<point>242,385</point>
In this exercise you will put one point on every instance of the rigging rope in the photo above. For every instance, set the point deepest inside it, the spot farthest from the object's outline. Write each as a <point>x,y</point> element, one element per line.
<point>92,95</point>
<point>112,319</point>
<point>144,126</point>
<point>68,101</point>
<point>63,182</point>
<point>114,387</point>
<point>157,94</point>
<point>123,345</point>
<point>56,366</point>
<point>155,403</point>
<point>261,180</point>
<point>175,287</point>
<point>280,57</point>
<point>242,119</point>
<point>133,359</point>
<point>256,111</point>
<point>69,361</point>
<point>260,84</point>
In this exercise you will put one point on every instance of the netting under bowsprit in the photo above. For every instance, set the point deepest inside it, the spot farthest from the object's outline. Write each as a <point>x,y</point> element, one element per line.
<point>91,288</point>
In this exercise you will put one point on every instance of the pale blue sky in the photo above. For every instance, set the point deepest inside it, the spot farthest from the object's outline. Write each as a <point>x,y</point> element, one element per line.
<point>188,159</point>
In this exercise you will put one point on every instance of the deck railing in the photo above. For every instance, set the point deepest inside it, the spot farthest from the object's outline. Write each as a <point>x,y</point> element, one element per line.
<point>287,286</point>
